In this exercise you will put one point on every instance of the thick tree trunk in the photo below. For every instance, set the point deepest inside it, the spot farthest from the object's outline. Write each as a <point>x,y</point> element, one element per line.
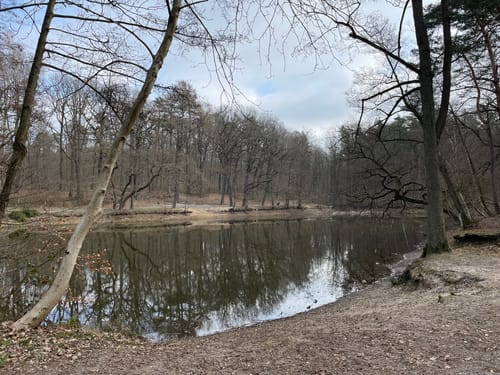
<point>19,146</point>
<point>436,238</point>
<point>60,284</point>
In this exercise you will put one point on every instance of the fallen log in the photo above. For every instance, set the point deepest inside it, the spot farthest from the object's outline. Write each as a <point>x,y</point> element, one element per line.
<point>471,237</point>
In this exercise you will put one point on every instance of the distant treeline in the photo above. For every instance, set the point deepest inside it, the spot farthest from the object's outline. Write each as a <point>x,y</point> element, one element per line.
<point>184,147</point>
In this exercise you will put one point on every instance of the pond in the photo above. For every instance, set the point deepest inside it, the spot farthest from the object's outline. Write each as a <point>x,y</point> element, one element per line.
<point>171,282</point>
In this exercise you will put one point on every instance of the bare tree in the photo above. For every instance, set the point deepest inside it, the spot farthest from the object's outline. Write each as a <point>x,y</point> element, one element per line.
<point>477,75</point>
<point>71,107</point>
<point>51,297</point>
<point>318,25</point>
<point>19,146</point>
<point>13,74</point>
<point>191,31</point>
<point>229,150</point>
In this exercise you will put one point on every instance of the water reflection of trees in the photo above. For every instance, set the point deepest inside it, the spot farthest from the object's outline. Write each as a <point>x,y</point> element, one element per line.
<point>370,245</point>
<point>26,269</point>
<point>167,282</point>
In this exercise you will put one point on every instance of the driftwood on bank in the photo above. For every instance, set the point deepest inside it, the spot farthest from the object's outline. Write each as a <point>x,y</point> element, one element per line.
<point>477,237</point>
<point>152,211</point>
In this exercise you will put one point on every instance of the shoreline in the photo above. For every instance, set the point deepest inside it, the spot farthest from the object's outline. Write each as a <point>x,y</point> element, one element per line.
<point>447,319</point>
<point>444,319</point>
<point>206,214</point>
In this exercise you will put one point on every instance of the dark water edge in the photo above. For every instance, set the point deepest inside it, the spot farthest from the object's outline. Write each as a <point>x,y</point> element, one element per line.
<point>173,282</point>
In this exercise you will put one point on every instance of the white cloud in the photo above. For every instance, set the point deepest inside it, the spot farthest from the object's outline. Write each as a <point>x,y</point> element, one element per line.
<point>299,96</point>
<point>284,84</point>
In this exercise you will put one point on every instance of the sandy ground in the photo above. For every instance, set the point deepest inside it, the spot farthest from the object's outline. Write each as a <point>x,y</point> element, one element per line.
<point>199,214</point>
<point>446,320</point>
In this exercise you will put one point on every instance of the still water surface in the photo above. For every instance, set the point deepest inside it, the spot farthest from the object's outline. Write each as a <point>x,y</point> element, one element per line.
<point>172,282</point>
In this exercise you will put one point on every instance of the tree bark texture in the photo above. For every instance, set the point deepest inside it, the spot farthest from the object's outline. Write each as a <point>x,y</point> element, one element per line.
<point>436,238</point>
<point>61,282</point>
<point>19,146</point>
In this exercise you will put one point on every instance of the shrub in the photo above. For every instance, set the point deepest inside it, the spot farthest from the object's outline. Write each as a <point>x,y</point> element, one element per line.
<point>23,215</point>
<point>20,233</point>
<point>19,216</point>
<point>30,212</point>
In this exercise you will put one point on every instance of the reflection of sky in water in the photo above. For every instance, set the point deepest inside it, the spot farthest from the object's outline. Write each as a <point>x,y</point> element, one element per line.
<point>320,289</point>
<point>174,283</point>
<point>88,299</point>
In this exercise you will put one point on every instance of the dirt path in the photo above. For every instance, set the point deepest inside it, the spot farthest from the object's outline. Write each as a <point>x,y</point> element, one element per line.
<point>448,323</point>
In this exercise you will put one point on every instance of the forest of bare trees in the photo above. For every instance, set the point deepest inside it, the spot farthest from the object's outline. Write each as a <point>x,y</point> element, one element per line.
<point>180,146</point>
<point>184,146</point>
<point>88,92</point>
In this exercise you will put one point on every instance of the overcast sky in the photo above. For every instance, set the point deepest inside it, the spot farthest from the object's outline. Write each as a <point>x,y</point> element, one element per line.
<point>293,91</point>
<point>302,97</point>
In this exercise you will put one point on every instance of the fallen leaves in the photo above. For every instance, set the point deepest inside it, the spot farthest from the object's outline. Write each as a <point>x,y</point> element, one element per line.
<point>38,346</point>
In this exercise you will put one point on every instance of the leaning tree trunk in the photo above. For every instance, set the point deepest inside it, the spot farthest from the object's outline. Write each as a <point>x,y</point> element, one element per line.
<point>60,284</point>
<point>19,146</point>
<point>457,198</point>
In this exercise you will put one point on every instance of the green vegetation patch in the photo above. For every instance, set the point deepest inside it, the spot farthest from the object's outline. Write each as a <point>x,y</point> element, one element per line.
<point>23,215</point>
<point>4,357</point>
<point>5,343</point>
<point>19,234</point>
